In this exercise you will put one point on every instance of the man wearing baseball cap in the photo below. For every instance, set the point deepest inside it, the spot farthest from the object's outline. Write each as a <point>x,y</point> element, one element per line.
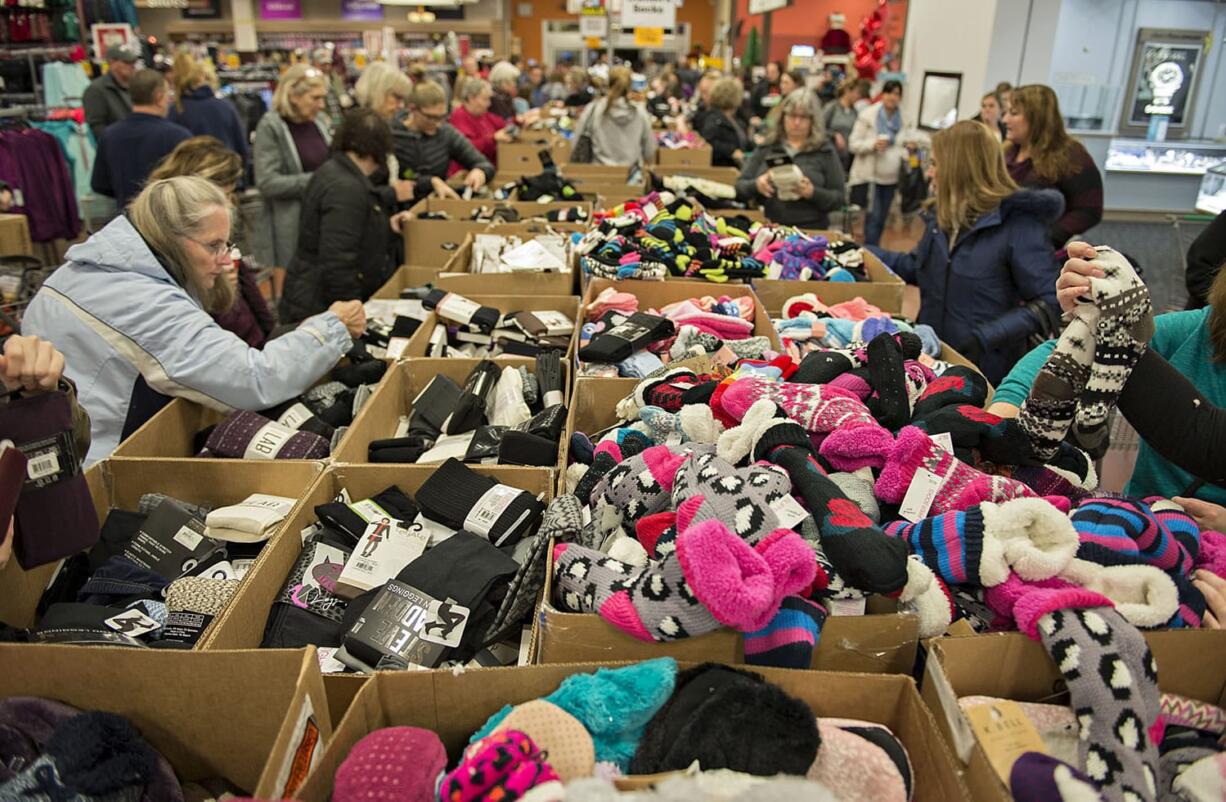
<point>106,100</point>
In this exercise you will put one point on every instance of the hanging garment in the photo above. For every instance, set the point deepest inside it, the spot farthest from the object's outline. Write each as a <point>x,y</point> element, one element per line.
<point>64,83</point>
<point>33,161</point>
<point>77,143</point>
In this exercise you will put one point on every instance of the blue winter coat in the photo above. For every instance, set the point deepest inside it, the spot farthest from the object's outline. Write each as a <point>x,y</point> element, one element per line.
<point>132,337</point>
<point>204,114</point>
<point>980,289</point>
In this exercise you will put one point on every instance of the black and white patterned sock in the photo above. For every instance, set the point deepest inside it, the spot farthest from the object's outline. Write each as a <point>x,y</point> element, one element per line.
<point>1113,683</point>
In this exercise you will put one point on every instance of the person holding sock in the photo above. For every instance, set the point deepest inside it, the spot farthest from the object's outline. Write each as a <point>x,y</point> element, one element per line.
<point>128,311</point>
<point>984,266</point>
<point>1180,428</point>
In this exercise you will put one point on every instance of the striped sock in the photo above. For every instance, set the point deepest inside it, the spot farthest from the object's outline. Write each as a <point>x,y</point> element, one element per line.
<point>953,545</point>
<point>789,639</point>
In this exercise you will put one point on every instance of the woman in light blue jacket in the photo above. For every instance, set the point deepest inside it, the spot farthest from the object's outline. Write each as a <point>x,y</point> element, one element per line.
<point>130,312</point>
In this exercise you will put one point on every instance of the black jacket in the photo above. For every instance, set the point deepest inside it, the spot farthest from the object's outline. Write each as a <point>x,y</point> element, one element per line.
<point>1205,258</point>
<point>725,138</point>
<point>105,103</point>
<point>342,241</point>
<point>820,166</point>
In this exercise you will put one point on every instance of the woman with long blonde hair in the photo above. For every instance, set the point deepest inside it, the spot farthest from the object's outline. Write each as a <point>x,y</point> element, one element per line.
<point>1041,154</point>
<point>619,128</point>
<point>198,109</point>
<point>984,266</point>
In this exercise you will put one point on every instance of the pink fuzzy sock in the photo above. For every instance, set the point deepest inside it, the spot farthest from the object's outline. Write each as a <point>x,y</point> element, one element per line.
<point>1212,556</point>
<point>610,298</point>
<point>961,485</point>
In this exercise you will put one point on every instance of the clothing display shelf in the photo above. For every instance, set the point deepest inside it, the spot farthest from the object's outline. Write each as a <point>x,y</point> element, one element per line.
<point>34,56</point>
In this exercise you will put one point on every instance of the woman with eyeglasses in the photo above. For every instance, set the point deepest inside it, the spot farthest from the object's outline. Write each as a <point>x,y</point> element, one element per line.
<point>129,312</point>
<point>291,142</point>
<point>426,146</point>
<point>801,139</point>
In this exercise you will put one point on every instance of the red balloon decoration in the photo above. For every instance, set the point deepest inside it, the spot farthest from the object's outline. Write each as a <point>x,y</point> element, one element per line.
<point>871,47</point>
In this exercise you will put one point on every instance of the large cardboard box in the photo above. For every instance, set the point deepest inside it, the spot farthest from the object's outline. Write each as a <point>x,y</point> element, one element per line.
<point>457,275</point>
<point>456,705</point>
<point>258,719</point>
<point>241,626</point>
<point>119,483</point>
<point>431,243</point>
<point>394,398</point>
<point>883,289</point>
<point>522,158</point>
<point>724,175</point>
<point>15,235</point>
<point>685,157</point>
<point>1009,665</point>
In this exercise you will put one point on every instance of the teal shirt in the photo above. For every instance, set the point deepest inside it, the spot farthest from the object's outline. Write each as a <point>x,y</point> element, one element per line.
<point>1182,338</point>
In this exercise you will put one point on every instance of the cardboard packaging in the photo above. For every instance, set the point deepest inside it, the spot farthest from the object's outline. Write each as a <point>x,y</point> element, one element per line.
<point>883,289</point>
<point>567,304</point>
<point>15,235</point>
<point>724,175</point>
<point>456,705</point>
<point>258,719</point>
<point>431,243</point>
<point>395,396</point>
<point>241,626</point>
<point>457,275</point>
<point>1009,665</point>
<point>685,157</point>
<point>592,409</point>
<point>522,158</point>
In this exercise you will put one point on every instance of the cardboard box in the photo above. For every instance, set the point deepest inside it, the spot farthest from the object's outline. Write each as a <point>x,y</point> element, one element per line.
<point>724,175</point>
<point>405,382</point>
<point>433,242</point>
<point>119,483</point>
<point>241,626</point>
<point>567,304</point>
<point>685,157</point>
<point>1009,665</point>
<point>523,157</point>
<point>20,590</point>
<point>456,705</point>
<point>258,719</point>
<point>457,275</point>
<point>883,289</point>
<point>592,409</point>
<point>15,235</point>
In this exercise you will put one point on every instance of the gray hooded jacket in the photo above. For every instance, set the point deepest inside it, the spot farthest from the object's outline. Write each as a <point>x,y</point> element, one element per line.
<point>622,136</point>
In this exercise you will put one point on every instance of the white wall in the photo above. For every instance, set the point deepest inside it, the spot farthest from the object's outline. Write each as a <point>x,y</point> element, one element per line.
<point>948,36</point>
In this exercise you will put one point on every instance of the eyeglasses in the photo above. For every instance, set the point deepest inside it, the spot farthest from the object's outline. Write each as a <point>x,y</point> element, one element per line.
<point>432,118</point>
<point>794,115</point>
<point>219,248</point>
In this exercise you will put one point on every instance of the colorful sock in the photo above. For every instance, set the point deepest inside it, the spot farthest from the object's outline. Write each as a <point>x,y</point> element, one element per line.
<point>1113,684</point>
<point>249,435</point>
<point>961,485</point>
<point>707,487</point>
<point>1036,777</point>
<point>859,488</point>
<point>789,639</point>
<point>999,440</point>
<point>640,486</point>
<point>602,463</point>
<point>957,386</point>
<point>1079,383</point>
<point>888,378</point>
<point>853,381</point>
<point>1127,532</point>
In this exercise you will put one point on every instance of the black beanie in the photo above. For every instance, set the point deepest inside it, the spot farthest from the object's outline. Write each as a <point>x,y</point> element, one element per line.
<point>726,718</point>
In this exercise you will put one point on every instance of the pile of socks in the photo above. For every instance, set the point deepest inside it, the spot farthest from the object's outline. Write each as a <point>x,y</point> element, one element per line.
<point>619,339</point>
<point>505,416</point>
<point>51,750</point>
<point>897,482</point>
<point>661,235</point>
<point>724,733</point>
<point>674,140</point>
<point>464,542</point>
<point>468,329</point>
<point>806,324</point>
<point>307,427</point>
<point>159,575</point>
<point>795,256</point>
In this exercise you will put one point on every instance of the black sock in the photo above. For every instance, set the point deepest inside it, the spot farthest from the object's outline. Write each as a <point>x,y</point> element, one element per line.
<point>602,463</point>
<point>623,340</point>
<point>470,409</point>
<point>458,309</point>
<point>820,367</point>
<point>522,448</point>
<point>459,497</point>
<point>888,378</point>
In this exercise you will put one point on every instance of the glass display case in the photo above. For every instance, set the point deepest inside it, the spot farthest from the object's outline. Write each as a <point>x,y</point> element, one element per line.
<point>1170,158</point>
<point>1211,198</point>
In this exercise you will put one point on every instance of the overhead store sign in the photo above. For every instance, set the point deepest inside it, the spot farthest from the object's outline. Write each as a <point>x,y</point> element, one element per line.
<point>370,10</point>
<point>280,9</point>
<point>763,6</point>
<point>591,26</point>
<point>649,14</point>
<point>648,37</point>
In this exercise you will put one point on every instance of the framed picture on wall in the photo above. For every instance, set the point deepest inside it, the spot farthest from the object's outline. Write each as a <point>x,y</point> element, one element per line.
<point>1166,67</point>
<point>939,98</point>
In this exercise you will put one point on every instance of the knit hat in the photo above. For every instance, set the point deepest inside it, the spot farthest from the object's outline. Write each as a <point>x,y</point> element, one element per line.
<point>503,766</point>
<point>391,764</point>
<point>249,435</point>
<point>459,497</point>
<point>90,756</point>
<point>559,734</point>
<point>728,718</point>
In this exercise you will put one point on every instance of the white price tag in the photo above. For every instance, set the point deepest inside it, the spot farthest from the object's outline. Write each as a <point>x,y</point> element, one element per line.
<point>221,570</point>
<point>847,606</point>
<point>944,440</point>
<point>45,465</point>
<point>920,495</point>
<point>485,513</point>
<point>187,538</point>
<point>789,511</point>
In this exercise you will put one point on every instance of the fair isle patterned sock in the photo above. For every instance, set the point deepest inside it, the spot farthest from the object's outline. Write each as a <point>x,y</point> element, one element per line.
<point>1097,350</point>
<point>652,603</point>
<point>1113,684</point>
<point>743,498</point>
<point>789,639</point>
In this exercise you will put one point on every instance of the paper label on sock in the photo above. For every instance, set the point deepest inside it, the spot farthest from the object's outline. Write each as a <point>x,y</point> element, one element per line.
<point>457,308</point>
<point>445,623</point>
<point>1005,734</point>
<point>241,567</point>
<point>920,495</point>
<point>944,440</point>
<point>295,416</point>
<point>132,623</point>
<point>40,467</point>
<point>628,330</point>
<point>50,459</point>
<point>268,441</point>
<point>307,746</point>
<point>789,511</point>
<point>385,548</point>
<point>435,531</point>
<point>847,606</point>
<point>489,508</point>
<point>556,323</point>
<point>369,511</point>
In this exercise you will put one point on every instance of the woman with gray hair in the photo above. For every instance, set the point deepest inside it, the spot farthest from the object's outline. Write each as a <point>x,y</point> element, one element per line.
<point>477,123</point>
<point>504,78</point>
<point>804,195</point>
<point>384,89</point>
<point>129,311</point>
<point>291,141</point>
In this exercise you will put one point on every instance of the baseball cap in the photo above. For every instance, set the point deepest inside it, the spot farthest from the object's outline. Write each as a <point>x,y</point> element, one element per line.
<point>125,53</point>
